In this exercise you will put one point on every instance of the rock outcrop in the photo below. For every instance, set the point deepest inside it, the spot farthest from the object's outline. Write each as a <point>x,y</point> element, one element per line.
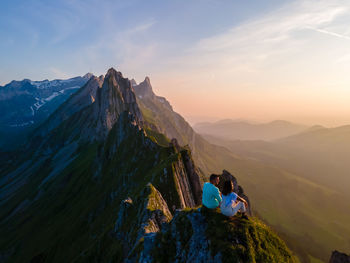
<point>227,176</point>
<point>338,257</point>
<point>90,155</point>
<point>149,211</point>
<point>111,193</point>
<point>26,104</point>
<point>115,96</point>
<point>90,114</point>
<point>187,179</point>
<point>84,97</point>
<point>201,235</point>
<point>144,91</point>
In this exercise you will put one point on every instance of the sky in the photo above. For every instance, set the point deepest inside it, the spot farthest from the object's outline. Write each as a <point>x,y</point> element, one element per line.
<point>212,59</point>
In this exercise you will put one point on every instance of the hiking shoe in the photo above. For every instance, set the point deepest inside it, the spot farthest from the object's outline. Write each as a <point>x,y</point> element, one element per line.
<point>244,216</point>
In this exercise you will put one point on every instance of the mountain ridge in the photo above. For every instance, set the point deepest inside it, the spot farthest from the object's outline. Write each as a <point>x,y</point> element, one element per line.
<point>75,191</point>
<point>26,104</point>
<point>244,130</point>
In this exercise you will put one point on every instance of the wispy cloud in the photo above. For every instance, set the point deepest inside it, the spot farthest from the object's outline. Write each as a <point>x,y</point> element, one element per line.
<point>344,58</point>
<point>271,62</point>
<point>263,45</point>
<point>128,48</point>
<point>331,33</point>
<point>266,34</point>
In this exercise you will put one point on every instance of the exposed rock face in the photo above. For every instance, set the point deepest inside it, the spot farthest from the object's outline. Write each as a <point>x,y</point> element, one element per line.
<point>115,97</point>
<point>81,99</point>
<point>338,257</point>
<point>109,192</point>
<point>26,104</point>
<point>92,154</point>
<point>207,236</point>
<point>188,233</point>
<point>226,176</point>
<point>91,113</point>
<point>145,90</point>
<point>188,180</point>
<point>193,177</point>
<point>160,116</point>
<point>133,82</point>
<point>150,212</point>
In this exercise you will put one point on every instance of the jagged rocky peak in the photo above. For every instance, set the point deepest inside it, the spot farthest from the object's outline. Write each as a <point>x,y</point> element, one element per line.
<point>133,82</point>
<point>88,75</point>
<point>85,96</point>
<point>96,107</point>
<point>115,97</point>
<point>147,80</point>
<point>144,89</point>
<point>338,257</point>
<point>144,92</point>
<point>227,176</point>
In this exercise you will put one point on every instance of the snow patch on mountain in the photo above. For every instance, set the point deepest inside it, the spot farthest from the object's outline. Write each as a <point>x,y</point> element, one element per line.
<point>42,102</point>
<point>22,124</point>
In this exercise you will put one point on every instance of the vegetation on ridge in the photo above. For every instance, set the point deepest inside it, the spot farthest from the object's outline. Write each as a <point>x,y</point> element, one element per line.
<point>229,240</point>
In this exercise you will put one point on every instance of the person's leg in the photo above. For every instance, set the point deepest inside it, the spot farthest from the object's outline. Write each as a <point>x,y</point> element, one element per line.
<point>239,206</point>
<point>242,208</point>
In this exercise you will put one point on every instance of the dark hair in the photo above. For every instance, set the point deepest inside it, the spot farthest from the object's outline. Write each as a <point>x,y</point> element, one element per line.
<point>213,177</point>
<point>228,187</point>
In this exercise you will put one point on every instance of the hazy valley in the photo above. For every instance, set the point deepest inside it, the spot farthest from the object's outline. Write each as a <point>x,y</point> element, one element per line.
<point>79,146</point>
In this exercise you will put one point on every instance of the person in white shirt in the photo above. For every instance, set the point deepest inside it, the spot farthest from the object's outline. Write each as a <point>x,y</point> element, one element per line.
<point>231,202</point>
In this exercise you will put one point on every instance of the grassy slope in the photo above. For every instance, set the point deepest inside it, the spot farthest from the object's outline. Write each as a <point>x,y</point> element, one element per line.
<point>313,217</point>
<point>73,219</point>
<point>237,239</point>
<point>300,209</point>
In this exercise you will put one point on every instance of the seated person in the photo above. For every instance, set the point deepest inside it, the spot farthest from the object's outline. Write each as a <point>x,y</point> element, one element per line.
<point>211,197</point>
<point>229,206</point>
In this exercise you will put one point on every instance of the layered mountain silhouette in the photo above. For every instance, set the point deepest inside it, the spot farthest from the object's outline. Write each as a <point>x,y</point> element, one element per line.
<point>305,178</point>
<point>284,185</point>
<point>243,130</point>
<point>26,104</point>
<point>103,180</point>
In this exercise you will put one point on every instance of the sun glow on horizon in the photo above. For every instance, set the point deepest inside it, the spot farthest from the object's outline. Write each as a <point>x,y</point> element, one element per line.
<point>286,60</point>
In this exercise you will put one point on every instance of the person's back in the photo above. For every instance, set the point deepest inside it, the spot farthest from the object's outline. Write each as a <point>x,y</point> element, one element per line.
<point>229,207</point>
<point>211,195</point>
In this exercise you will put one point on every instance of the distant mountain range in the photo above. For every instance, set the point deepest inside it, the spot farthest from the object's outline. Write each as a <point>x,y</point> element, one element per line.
<point>98,182</point>
<point>25,104</point>
<point>243,130</point>
<point>312,184</point>
<point>269,185</point>
<point>100,179</point>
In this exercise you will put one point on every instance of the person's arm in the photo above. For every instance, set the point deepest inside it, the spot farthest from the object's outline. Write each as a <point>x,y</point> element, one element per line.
<point>217,195</point>
<point>242,200</point>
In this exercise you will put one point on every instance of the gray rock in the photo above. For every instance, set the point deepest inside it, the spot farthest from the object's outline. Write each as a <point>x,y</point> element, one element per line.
<point>338,257</point>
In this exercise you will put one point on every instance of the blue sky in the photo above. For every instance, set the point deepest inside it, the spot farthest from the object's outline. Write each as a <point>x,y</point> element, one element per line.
<point>258,60</point>
<point>53,39</point>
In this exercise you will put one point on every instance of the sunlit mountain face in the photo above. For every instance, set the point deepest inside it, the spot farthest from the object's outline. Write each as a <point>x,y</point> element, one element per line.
<point>97,179</point>
<point>92,132</point>
<point>109,166</point>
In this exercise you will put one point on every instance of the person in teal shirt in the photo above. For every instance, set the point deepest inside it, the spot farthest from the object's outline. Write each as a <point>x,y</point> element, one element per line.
<point>211,197</point>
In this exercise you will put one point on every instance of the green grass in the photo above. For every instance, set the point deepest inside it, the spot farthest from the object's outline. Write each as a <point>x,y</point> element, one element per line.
<point>74,219</point>
<point>237,239</point>
<point>305,213</point>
